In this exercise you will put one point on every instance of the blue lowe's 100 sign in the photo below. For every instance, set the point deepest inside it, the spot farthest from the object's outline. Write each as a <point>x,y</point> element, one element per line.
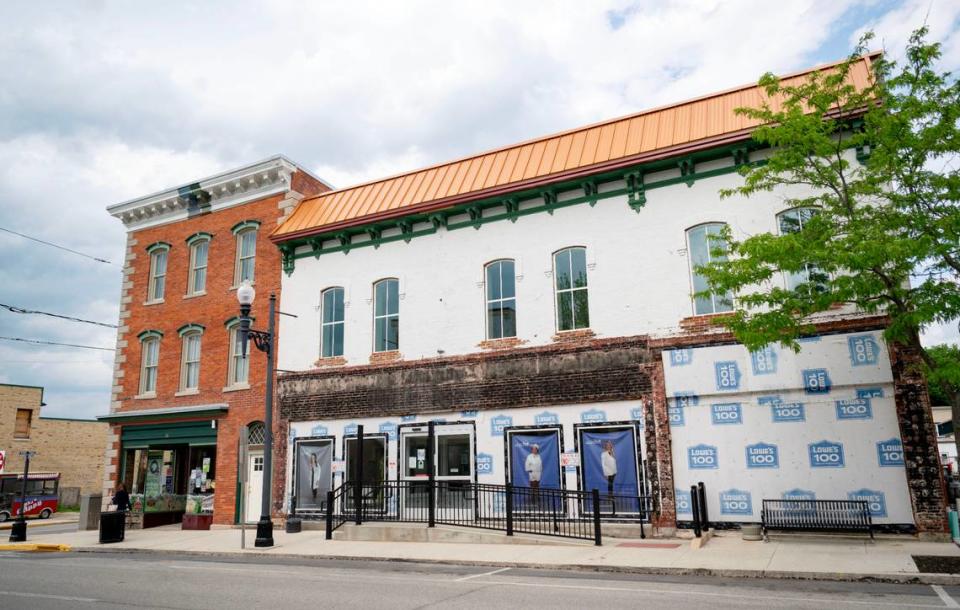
<point>683,501</point>
<point>484,463</point>
<point>681,357</point>
<point>727,374</point>
<point>864,350</point>
<point>816,381</point>
<point>890,452</point>
<point>763,455</point>
<point>764,361</point>
<point>876,501</point>
<point>702,457</point>
<point>826,454</point>
<point>854,408</point>
<point>546,419</point>
<point>726,413</point>
<point>736,502</point>
<point>498,423</point>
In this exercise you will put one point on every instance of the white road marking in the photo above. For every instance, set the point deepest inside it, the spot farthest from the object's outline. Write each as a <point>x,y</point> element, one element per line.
<point>479,575</point>
<point>64,598</point>
<point>947,600</point>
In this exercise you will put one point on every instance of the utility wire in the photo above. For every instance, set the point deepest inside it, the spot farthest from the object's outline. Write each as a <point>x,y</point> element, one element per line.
<point>15,309</point>
<point>106,349</point>
<point>99,260</point>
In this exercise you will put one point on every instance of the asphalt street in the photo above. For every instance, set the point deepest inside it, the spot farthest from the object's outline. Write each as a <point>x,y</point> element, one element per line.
<point>106,580</point>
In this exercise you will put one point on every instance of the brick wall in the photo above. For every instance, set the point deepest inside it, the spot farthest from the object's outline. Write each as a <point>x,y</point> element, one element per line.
<point>74,448</point>
<point>210,310</point>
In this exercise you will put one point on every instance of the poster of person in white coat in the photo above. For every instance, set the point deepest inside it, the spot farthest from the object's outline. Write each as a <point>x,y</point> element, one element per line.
<point>534,468</point>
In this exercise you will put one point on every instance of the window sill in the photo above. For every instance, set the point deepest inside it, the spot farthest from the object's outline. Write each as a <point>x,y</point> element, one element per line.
<point>504,343</point>
<point>236,388</point>
<point>702,322</point>
<point>21,439</point>
<point>145,396</point>
<point>330,361</point>
<point>384,357</point>
<point>195,294</point>
<point>153,302</point>
<point>192,392</point>
<point>572,336</point>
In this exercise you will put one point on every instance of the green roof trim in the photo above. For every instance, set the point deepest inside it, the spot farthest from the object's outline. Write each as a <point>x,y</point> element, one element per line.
<point>158,245</point>
<point>198,236</point>
<point>204,412</point>
<point>148,334</point>
<point>186,328</point>
<point>235,320</point>
<point>245,224</point>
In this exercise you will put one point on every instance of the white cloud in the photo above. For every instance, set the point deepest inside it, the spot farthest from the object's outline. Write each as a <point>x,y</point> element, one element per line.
<point>100,102</point>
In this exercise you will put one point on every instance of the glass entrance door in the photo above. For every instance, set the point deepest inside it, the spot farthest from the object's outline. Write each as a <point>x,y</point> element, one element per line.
<point>453,463</point>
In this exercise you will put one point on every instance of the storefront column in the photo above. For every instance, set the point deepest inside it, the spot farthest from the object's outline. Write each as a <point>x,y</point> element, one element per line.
<point>656,430</point>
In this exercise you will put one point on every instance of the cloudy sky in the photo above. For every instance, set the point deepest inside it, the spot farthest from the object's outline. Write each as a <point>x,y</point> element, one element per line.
<point>105,101</point>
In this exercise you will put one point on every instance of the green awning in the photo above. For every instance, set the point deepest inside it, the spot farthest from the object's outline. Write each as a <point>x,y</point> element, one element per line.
<point>177,433</point>
<point>145,415</point>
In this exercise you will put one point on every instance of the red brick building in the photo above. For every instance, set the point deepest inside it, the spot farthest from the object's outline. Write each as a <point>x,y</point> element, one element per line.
<point>182,390</point>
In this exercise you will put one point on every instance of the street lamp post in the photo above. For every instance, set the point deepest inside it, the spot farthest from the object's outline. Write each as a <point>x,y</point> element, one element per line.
<point>264,341</point>
<point>18,531</point>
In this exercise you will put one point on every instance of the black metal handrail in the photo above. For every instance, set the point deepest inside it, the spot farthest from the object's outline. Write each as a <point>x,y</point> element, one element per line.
<point>507,508</point>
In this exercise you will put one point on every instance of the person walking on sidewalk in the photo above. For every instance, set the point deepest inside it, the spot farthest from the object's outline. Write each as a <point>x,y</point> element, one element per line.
<point>121,498</point>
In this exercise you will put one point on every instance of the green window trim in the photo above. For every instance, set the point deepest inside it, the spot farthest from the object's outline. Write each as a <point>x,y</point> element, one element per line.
<point>160,245</point>
<point>149,334</point>
<point>199,236</point>
<point>187,328</point>
<point>244,225</point>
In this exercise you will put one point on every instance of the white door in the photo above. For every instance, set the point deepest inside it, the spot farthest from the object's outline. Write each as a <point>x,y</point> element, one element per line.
<point>254,486</point>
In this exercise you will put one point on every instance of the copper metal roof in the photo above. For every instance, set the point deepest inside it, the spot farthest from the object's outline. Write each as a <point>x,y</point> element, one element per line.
<point>666,131</point>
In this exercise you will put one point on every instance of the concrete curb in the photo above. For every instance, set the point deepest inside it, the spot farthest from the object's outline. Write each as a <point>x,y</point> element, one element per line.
<point>7,525</point>
<point>906,579</point>
<point>29,547</point>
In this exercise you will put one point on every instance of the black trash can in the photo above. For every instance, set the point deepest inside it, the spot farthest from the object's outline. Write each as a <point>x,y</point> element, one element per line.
<point>112,526</point>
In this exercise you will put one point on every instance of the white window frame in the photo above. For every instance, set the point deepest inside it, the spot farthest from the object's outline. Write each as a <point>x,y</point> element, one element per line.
<point>146,342</point>
<point>558,291</point>
<point>341,322</point>
<point>488,301</point>
<point>195,246</point>
<point>233,336</point>
<point>806,266</point>
<point>246,229</point>
<point>186,337</point>
<point>714,298</point>
<point>157,252</point>
<point>386,316</point>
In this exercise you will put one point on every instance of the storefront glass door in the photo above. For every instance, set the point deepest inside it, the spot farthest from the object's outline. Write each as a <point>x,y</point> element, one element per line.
<point>454,464</point>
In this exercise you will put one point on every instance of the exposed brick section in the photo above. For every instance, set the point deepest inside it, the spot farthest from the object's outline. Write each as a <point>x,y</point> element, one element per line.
<point>919,433</point>
<point>656,430</point>
<point>333,361</point>
<point>574,336</point>
<point>598,371</point>
<point>495,344</point>
<point>385,357</point>
<point>701,324</point>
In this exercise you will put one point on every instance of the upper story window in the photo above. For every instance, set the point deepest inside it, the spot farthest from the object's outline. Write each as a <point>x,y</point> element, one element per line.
<point>21,428</point>
<point>239,364</point>
<point>702,245</point>
<point>386,315</point>
<point>149,361</point>
<point>246,233</point>
<point>156,287</point>
<point>793,221</point>
<point>570,275</point>
<point>199,249</point>
<point>190,336</point>
<point>331,325</point>
<point>501,299</point>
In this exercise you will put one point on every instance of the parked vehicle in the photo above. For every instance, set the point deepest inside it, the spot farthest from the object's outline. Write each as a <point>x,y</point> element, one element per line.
<point>42,498</point>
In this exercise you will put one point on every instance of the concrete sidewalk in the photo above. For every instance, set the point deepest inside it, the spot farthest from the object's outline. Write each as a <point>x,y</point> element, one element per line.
<point>831,558</point>
<point>56,519</point>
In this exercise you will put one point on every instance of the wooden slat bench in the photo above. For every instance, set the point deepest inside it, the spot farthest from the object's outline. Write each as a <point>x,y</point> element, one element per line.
<point>816,516</point>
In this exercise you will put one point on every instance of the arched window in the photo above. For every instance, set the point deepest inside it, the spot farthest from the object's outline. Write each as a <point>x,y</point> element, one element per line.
<point>501,299</point>
<point>386,315</point>
<point>149,361</point>
<point>197,275</point>
<point>239,364</point>
<point>190,336</point>
<point>246,233</point>
<point>256,432</point>
<point>702,246</point>
<point>156,285</point>
<point>570,281</point>
<point>331,322</point>
<point>793,221</point>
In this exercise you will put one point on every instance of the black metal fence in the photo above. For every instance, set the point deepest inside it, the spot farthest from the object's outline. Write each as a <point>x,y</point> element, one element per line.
<point>817,515</point>
<point>506,508</point>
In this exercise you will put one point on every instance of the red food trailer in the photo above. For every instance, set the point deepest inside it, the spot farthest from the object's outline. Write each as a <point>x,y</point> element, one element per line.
<point>43,494</point>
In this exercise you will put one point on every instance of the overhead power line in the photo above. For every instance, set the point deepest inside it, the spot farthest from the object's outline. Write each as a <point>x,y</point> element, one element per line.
<point>47,243</point>
<point>38,341</point>
<point>16,309</point>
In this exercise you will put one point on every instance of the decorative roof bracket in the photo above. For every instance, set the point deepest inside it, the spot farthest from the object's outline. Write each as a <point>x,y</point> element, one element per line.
<point>513,209</point>
<point>687,169</point>
<point>406,228</point>
<point>636,192</point>
<point>286,256</point>
<point>438,220</point>
<point>316,245</point>
<point>590,192</point>
<point>550,200</point>
<point>476,215</point>
<point>741,156</point>
<point>344,238</point>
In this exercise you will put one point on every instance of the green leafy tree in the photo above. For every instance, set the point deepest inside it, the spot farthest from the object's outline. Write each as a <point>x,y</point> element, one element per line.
<point>944,381</point>
<point>871,169</point>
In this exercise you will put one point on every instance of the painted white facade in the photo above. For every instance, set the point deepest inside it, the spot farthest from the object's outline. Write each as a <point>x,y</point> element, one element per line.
<point>778,424</point>
<point>638,273</point>
<point>490,457</point>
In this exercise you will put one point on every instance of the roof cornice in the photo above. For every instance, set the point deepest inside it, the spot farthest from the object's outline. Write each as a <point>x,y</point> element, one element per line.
<point>234,187</point>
